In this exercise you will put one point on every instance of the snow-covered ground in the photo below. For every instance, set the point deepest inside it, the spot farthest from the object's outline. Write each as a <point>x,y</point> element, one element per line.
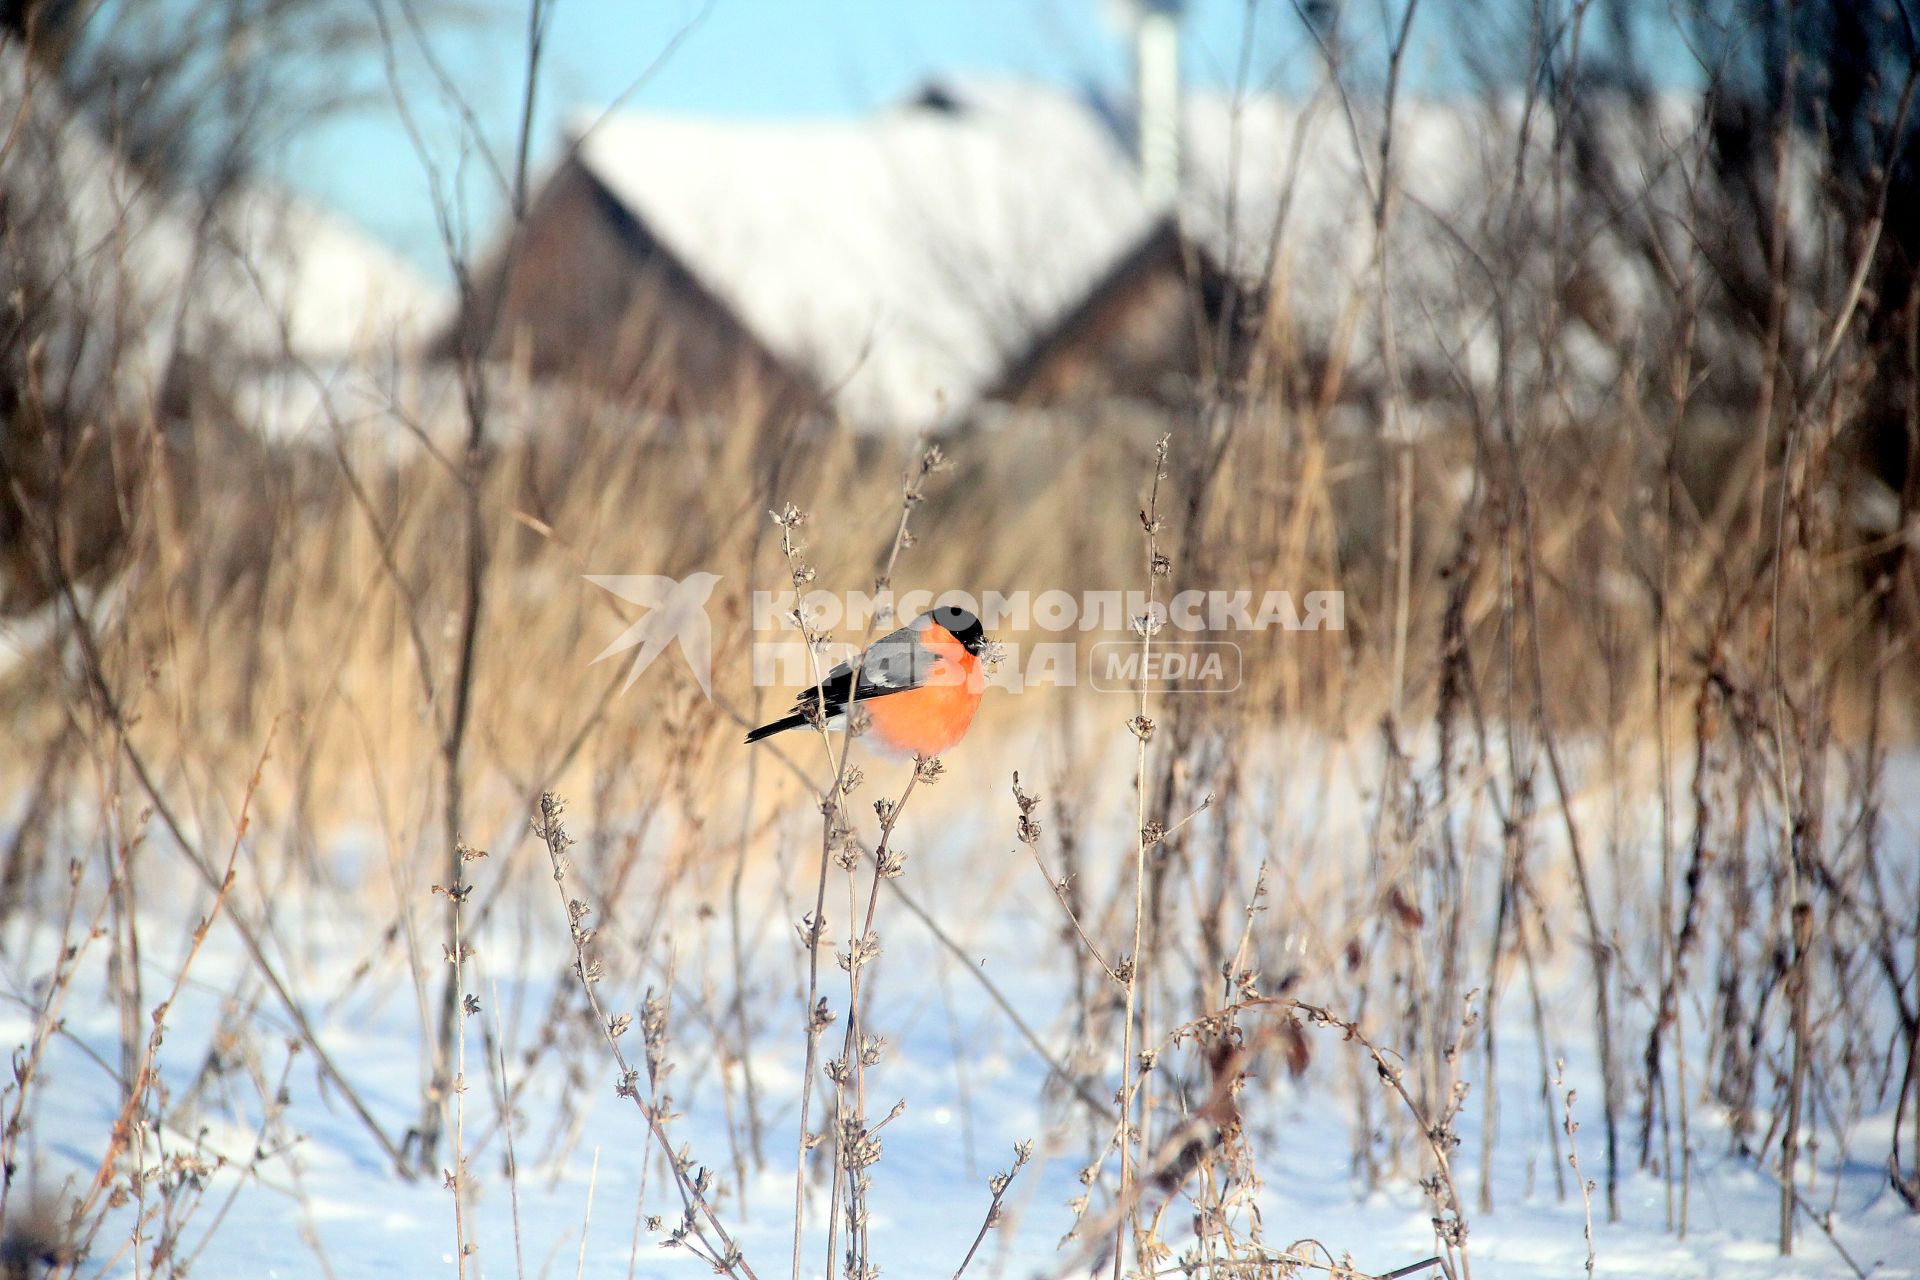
<point>324,1201</point>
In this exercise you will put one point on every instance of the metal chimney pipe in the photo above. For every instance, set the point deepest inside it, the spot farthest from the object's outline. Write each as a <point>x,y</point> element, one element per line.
<point>1157,93</point>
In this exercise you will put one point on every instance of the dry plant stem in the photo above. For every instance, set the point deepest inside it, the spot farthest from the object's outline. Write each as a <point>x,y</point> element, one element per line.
<point>1028,829</point>
<point>473,474</point>
<point>1797,975</point>
<point>815,1014</point>
<point>1381,191</point>
<point>1411,1269</point>
<point>997,1188</point>
<point>1800,821</point>
<point>862,948</point>
<point>110,708</point>
<point>699,1221</point>
<point>1773,359</point>
<point>1599,947</point>
<point>123,961</point>
<point>273,1107</point>
<point>458,953</point>
<point>46,1021</point>
<point>1572,1129</point>
<point>653,1029</point>
<point>1824,1221</point>
<point>1680,385</point>
<point>736,931</point>
<point>472,469</point>
<point>1264,1263</point>
<point>505,1103</point>
<point>1142,729</point>
<point>1073,918</point>
<point>586,1220</point>
<point>1083,1089</point>
<point>127,1122</point>
<point>1436,1132</point>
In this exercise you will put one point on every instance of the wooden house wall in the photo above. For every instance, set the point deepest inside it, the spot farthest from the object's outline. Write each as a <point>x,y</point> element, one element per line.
<point>593,296</point>
<point>1151,332</point>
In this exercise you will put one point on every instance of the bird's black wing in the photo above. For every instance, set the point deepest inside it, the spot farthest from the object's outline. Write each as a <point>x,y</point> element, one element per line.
<point>894,663</point>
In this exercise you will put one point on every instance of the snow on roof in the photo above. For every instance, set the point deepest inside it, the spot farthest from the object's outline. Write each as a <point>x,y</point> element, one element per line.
<point>1475,225</point>
<point>1285,189</point>
<point>307,280</point>
<point>126,275</point>
<point>1263,171</point>
<point>901,258</point>
<point>102,257</point>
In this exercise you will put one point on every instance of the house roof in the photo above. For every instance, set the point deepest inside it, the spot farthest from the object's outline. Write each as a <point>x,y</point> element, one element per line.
<point>1280,190</point>
<point>128,274</point>
<point>909,259</point>
<point>101,257</point>
<point>308,281</point>
<point>900,258</point>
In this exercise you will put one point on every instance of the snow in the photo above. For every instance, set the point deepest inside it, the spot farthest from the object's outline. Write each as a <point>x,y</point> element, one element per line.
<point>901,258</point>
<point>326,1203</point>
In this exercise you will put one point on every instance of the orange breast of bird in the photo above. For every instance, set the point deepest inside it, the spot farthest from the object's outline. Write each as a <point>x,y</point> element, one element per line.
<point>933,718</point>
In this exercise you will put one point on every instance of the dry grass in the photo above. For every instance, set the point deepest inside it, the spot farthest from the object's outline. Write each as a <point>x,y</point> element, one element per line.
<point>1608,732</point>
<point>337,623</point>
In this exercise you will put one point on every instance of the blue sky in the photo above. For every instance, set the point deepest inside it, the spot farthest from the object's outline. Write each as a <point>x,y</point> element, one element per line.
<point>742,58</point>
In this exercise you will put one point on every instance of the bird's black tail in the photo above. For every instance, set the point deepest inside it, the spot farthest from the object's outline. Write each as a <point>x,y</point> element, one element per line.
<point>781,725</point>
